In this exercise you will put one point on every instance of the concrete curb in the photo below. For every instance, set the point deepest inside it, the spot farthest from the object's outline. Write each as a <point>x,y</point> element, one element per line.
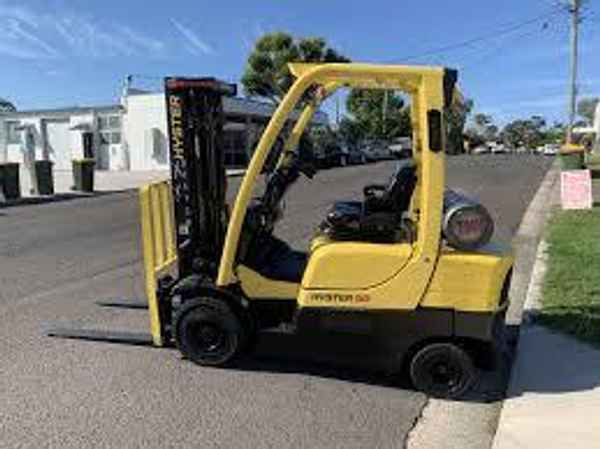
<point>533,226</point>
<point>526,242</point>
<point>533,301</point>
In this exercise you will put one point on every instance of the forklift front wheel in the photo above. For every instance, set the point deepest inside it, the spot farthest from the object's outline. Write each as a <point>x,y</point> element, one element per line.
<point>443,370</point>
<point>208,333</point>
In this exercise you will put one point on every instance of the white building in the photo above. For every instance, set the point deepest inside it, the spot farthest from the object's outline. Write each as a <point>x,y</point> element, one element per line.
<point>128,136</point>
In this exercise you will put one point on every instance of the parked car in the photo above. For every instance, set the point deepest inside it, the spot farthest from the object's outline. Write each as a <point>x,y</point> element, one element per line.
<point>551,149</point>
<point>355,156</point>
<point>497,148</point>
<point>401,147</point>
<point>481,149</point>
<point>376,151</point>
<point>340,156</point>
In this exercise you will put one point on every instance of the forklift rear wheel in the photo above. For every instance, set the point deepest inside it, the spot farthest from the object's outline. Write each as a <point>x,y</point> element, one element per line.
<point>208,333</point>
<point>442,370</point>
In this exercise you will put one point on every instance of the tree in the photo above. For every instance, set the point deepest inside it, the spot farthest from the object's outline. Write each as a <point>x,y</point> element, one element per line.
<point>267,74</point>
<point>586,108</point>
<point>350,131</point>
<point>379,114</point>
<point>483,129</point>
<point>456,119</point>
<point>555,133</point>
<point>529,132</point>
<point>324,138</point>
<point>6,106</point>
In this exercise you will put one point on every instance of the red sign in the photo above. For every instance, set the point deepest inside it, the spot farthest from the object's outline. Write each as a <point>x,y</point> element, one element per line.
<point>576,189</point>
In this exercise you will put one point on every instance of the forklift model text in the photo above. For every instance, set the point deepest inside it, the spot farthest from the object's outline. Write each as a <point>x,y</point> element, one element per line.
<point>339,298</point>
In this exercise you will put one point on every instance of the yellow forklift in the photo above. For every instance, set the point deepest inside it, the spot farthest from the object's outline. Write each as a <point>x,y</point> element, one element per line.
<point>407,274</point>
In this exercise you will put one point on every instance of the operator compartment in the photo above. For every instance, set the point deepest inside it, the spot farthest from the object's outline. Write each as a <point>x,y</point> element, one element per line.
<point>374,233</point>
<point>380,217</point>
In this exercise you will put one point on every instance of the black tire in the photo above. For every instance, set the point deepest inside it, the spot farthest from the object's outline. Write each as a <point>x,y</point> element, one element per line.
<point>208,333</point>
<point>443,370</point>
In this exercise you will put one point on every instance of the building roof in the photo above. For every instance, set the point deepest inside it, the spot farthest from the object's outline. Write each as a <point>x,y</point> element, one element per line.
<point>235,105</point>
<point>248,106</point>
<point>65,111</point>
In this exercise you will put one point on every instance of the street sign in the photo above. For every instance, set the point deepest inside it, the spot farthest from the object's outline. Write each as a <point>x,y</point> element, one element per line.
<point>576,189</point>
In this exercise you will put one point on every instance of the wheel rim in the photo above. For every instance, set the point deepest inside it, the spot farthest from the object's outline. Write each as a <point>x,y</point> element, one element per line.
<point>209,339</point>
<point>444,376</point>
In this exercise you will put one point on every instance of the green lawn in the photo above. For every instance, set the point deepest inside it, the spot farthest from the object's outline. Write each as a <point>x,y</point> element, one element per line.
<point>571,291</point>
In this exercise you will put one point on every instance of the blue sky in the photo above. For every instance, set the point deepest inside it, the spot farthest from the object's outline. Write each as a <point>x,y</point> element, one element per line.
<point>60,53</point>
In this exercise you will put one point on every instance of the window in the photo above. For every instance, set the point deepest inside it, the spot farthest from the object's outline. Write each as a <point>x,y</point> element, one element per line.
<point>109,122</point>
<point>12,134</point>
<point>115,138</point>
<point>114,122</point>
<point>103,122</point>
<point>110,129</point>
<point>234,147</point>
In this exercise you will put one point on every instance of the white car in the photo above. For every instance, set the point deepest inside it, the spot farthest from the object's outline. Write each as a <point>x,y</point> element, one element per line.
<point>401,147</point>
<point>550,150</point>
<point>498,149</point>
<point>481,149</point>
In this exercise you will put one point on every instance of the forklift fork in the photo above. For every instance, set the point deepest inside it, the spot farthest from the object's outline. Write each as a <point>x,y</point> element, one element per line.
<point>184,220</point>
<point>158,244</point>
<point>133,304</point>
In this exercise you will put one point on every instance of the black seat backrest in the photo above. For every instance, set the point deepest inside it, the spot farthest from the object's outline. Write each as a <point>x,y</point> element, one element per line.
<point>395,197</point>
<point>401,187</point>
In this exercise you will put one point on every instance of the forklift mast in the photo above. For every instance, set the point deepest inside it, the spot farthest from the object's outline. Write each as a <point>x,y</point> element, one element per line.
<point>198,179</point>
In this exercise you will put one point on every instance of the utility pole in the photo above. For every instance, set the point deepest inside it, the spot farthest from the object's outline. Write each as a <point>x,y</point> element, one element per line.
<point>384,109</point>
<point>574,10</point>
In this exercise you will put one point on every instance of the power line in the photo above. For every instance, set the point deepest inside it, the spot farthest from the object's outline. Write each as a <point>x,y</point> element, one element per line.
<point>499,32</point>
<point>502,48</point>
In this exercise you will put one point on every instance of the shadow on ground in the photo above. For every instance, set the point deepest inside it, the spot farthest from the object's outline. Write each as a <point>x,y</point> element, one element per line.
<point>552,362</point>
<point>59,197</point>
<point>581,321</point>
<point>290,353</point>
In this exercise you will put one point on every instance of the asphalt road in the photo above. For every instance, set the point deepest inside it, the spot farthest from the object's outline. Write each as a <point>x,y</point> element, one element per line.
<point>57,259</point>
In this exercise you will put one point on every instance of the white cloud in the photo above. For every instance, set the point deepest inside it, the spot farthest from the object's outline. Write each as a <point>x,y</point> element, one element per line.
<point>19,36</point>
<point>20,13</point>
<point>18,31</point>
<point>141,40</point>
<point>194,43</point>
<point>62,29</point>
<point>28,34</point>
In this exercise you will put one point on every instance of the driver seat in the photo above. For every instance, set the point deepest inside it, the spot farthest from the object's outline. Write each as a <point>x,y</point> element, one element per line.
<point>376,218</point>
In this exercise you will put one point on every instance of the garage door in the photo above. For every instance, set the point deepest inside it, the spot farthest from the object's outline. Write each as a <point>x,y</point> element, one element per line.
<point>59,144</point>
